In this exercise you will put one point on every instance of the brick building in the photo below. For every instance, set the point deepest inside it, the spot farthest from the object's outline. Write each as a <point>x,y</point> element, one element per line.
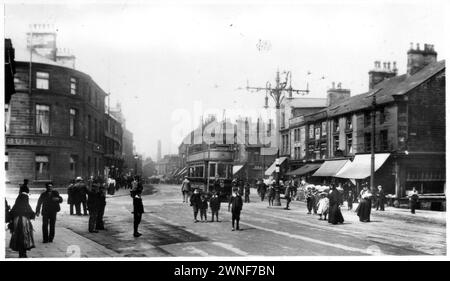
<point>54,130</point>
<point>409,130</point>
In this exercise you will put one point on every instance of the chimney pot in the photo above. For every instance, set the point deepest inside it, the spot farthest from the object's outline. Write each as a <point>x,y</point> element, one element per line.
<point>411,45</point>
<point>332,85</point>
<point>339,85</point>
<point>418,46</point>
<point>389,66</point>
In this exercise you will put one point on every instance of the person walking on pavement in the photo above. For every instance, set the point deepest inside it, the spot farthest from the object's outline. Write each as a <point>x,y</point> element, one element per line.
<point>93,203</point>
<point>310,199</point>
<point>196,203</point>
<point>24,186</point>
<point>49,200</point>
<point>380,198</point>
<point>287,196</point>
<point>365,205</point>
<point>203,208</point>
<point>21,228</point>
<point>236,207</point>
<point>413,200</point>
<point>271,193</point>
<point>262,188</point>
<point>100,225</point>
<point>247,193</point>
<point>334,213</point>
<point>138,208</point>
<point>79,196</point>
<point>350,200</point>
<point>185,189</point>
<point>214,204</point>
<point>70,196</point>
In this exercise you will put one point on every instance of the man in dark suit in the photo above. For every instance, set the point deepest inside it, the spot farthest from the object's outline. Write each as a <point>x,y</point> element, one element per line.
<point>236,207</point>
<point>196,202</point>
<point>380,198</point>
<point>138,207</point>
<point>49,200</point>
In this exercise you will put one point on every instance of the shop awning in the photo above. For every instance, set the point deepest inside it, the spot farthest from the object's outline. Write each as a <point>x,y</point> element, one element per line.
<point>272,167</point>
<point>330,168</point>
<point>304,170</point>
<point>237,168</point>
<point>359,168</point>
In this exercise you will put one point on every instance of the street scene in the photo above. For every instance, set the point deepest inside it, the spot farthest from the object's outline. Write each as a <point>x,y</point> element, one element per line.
<point>248,130</point>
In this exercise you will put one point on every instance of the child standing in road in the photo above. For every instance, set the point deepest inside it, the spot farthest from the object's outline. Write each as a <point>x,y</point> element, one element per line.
<point>322,206</point>
<point>214,204</point>
<point>203,208</point>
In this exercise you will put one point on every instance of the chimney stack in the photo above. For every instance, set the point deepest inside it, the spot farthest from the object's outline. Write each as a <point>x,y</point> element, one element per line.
<point>335,95</point>
<point>378,74</point>
<point>418,59</point>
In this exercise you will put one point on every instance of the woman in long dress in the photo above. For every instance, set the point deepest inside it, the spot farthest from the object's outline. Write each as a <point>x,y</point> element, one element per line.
<point>334,215</point>
<point>365,205</point>
<point>21,215</point>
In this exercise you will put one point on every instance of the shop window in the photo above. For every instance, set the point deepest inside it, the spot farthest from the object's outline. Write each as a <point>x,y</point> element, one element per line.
<point>212,170</point>
<point>42,80</point>
<point>42,119</point>
<point>42,167</point>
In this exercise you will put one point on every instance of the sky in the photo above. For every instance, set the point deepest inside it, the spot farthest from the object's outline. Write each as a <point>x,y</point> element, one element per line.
<point>169,64</point>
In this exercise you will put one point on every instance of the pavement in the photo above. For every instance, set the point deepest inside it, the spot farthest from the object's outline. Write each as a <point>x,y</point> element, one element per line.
<point>168,231</point>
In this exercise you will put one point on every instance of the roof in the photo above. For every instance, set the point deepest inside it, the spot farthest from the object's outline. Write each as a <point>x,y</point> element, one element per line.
<point>395,86</point>
<point>307,102</point>
<point>23,54</point>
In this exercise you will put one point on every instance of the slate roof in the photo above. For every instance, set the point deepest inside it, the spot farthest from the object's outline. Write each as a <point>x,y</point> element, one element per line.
<point>395,86</point>
<point>307,102</point>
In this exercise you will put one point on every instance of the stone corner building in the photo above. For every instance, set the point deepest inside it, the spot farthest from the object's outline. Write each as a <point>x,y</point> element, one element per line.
<point>54,131</point>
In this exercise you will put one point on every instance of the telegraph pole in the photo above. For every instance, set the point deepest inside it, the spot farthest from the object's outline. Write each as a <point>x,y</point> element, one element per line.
<point>278,94</point>
<point>372,141</point>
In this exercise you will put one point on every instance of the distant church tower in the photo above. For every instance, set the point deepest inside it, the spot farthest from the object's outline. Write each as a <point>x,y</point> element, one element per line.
<point>158,156</point>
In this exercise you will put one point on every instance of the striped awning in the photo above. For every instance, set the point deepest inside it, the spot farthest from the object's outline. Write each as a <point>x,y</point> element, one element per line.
<point>330,168</point>
<point>237,168</point>
<point>359,168</point>
<point>272,167</point>
<point>304,170</point>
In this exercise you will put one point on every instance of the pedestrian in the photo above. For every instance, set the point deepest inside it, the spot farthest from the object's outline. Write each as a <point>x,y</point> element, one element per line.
<point>350,200</point>
<point>365,205</point>
<point>413,200</point>
<point>310,199</point>
<point>216,184</point>
<point>271,193</point>
<point>247,192</point>
<point>262,188</point>
<point>334,213</point>
<point>7,209</point>
<point>381,198</point>
<point>240,183</point>
<point>138,209</point>
<point>195,203</point>
<point>49,200</point>
<point>93,204</point>
<point>24,187</point>
<point>287,196</point>
<point>185,189</point>
<point>236,206</point>
<point>316,196</point>
<point>70,196</point>
<point>80,196</point>
<point>203,208</point>
<point>214,204</point>
<point>21,228</point>
<point>111,184</point>
<point>323,206</point>
<point>100,225</point>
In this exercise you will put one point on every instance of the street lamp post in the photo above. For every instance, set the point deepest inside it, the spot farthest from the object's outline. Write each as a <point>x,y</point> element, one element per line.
<point>136,157</point>
<point>372,141</point>
<point>278,94</point>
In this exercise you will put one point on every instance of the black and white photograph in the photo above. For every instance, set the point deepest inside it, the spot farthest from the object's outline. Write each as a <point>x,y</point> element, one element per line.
<point>217,130</point>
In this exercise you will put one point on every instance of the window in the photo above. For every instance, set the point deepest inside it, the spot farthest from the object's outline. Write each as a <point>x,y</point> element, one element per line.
<point>73,86</point>
<point>212,170</point>
<point>336,125</point>
<point>89,128</point>
<point>7,118</point>
<point>42,80</point>
<point>349,123</point>
<point>6,162</point>
<point>221,170</point>
<point>367,141</point>
<point>336,143</point>
<point>42,119</point>
<point>311,131</point>
<point>384,140</point>
<point>42,167</point>
<point>349,143</point>
<point>95,130</point>
<point>317,131</point>
<point>382,115</point>
<point>283,116</point>
<point>367,119</point>
<point>73,122</point>
<point>73,165</point>
<point>324,128</point>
